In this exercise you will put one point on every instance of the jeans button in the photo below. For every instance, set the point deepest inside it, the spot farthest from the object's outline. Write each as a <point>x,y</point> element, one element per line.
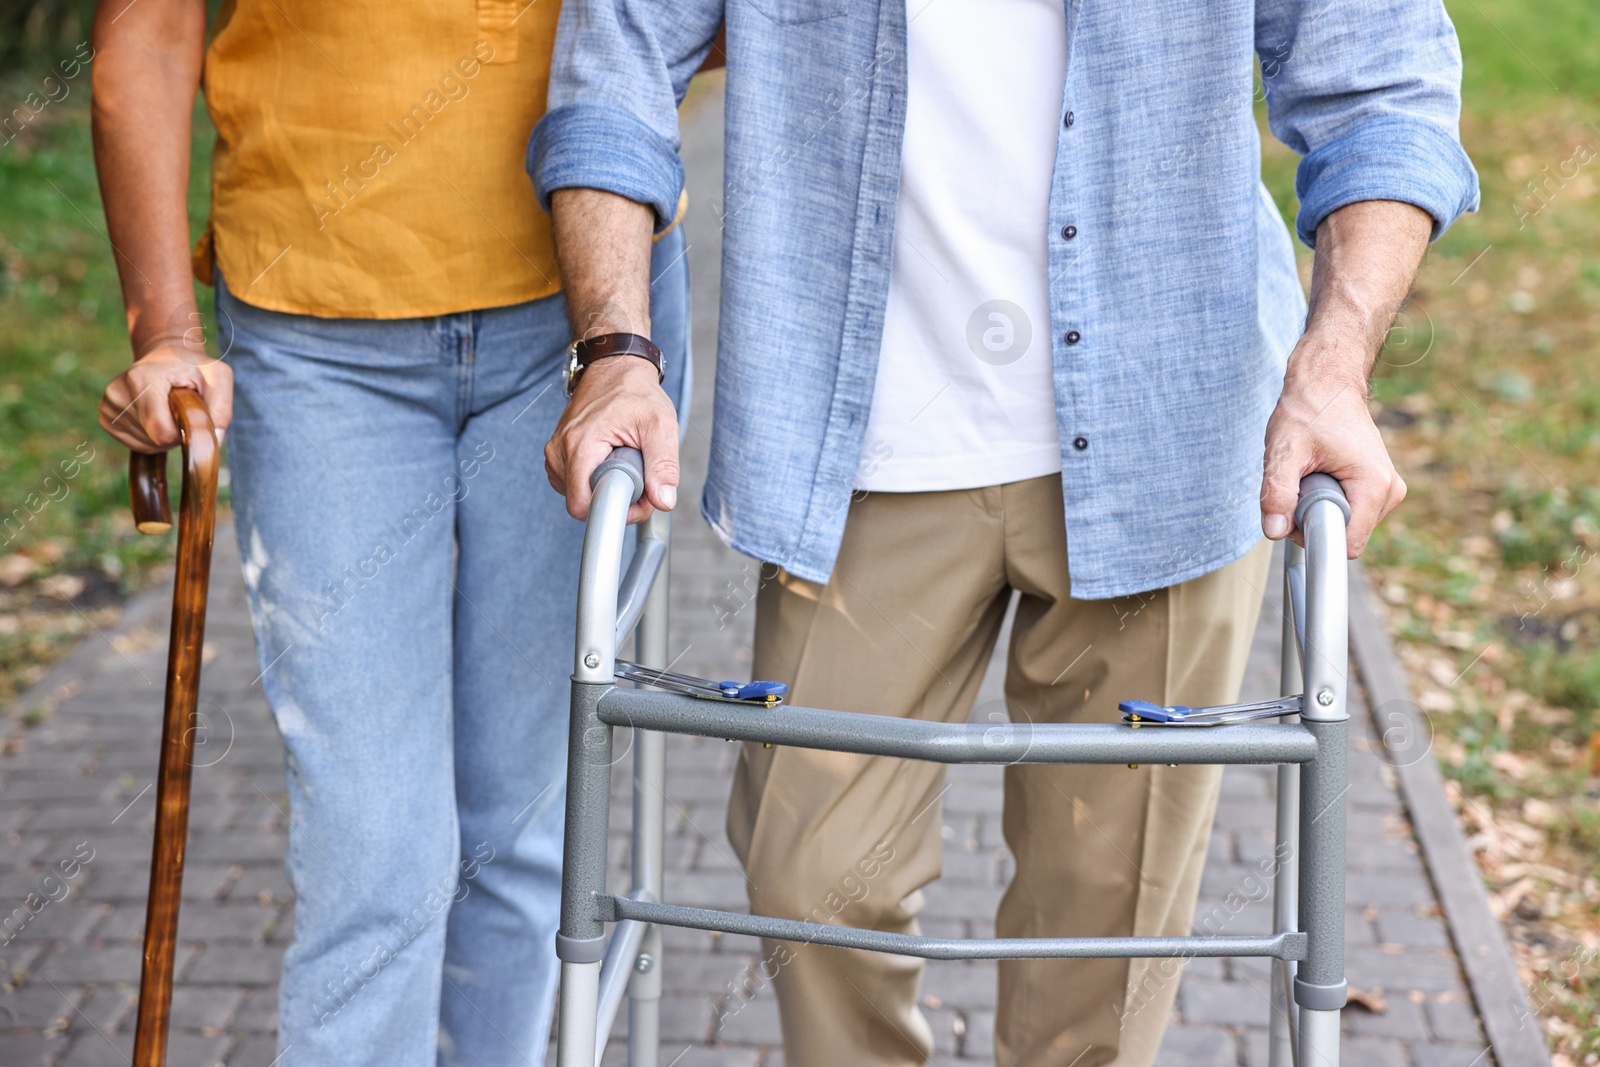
<point>1080,443</point>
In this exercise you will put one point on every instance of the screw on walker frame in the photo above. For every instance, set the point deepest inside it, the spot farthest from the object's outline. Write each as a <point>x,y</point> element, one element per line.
<point>1307,743</point>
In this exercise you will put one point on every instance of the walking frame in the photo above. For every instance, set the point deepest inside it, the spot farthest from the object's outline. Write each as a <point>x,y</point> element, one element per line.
<point>147,485</point>
<point>1308,746</point>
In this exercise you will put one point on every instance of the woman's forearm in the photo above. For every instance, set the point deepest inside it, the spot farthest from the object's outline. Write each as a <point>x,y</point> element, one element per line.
<point>148,58</point>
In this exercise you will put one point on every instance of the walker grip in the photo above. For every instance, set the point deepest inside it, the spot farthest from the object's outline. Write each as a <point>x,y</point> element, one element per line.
<point>625,459</point>
<point>1318,487</point>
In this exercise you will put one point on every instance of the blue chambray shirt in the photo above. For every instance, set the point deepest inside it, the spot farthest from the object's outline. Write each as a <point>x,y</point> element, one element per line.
<point>1180,286</point>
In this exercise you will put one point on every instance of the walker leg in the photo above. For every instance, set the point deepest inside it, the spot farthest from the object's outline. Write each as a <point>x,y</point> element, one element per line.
<point>1319,1038</point>
<point>1319,986</point>
<point>581,940</point>
<point>644,1009</point>
<point>580,1000</point>
<point>649,820</point>
<point>1286,903</point>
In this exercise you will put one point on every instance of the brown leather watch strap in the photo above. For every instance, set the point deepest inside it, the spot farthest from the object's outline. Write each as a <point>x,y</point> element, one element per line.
<point>618,344</point>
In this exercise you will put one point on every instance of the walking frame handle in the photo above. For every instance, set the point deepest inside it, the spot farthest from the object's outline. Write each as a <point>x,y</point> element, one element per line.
<point>1315,488</point>
<point>628,460</point>
<point>147,485</point>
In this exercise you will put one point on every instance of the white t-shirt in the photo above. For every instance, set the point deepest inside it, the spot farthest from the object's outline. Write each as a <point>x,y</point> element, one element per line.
<point>964,393</point>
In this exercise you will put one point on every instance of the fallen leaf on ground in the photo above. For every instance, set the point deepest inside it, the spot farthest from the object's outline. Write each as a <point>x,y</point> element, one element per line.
<point>15,568</point>
<point>1370,999</point>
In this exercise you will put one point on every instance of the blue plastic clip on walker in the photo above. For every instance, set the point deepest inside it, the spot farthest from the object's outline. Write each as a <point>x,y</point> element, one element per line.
<point>768,694</point>
<point>1145,713</point>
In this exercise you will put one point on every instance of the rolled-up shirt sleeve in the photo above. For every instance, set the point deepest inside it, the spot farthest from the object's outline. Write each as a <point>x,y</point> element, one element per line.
<point>619,69</point>
<point>1369,93</point>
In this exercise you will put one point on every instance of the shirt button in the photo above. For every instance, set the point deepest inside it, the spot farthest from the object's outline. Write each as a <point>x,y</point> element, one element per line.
<point>1068,120</point>
<point>1073,337</point>
<point>1080,443</point>
<point>1069,232</point>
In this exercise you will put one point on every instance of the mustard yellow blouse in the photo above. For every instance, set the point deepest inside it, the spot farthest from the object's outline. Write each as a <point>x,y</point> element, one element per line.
<point>369,157</point>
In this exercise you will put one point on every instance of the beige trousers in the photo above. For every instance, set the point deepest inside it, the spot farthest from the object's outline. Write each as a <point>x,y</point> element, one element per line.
<point>906,626</point>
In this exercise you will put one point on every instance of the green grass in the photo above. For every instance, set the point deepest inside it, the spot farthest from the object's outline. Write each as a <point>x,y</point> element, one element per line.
<point>1489,393</point>
<point>1492,409</point>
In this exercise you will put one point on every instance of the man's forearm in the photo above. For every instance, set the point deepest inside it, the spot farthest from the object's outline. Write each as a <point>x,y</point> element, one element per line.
<point>147,66</point>
<point>1367,257</point>
<point>603,248</point>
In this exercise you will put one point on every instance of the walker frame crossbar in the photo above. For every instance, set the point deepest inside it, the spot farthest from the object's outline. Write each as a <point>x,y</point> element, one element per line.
<point>1307,941</point>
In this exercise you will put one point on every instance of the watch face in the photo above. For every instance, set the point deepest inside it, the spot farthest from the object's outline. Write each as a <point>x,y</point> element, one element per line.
<point>569,370</point>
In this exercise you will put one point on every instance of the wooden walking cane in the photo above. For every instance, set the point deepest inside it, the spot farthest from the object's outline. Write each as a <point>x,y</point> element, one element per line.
<point>147,483</point>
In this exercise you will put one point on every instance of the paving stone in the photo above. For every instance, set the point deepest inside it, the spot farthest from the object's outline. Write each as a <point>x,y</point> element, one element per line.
<point>105,1008</point>
<point>1391,856</point>
<point>19,959</point>
<point>1217,914</point>
<point>1424,970</point>
<point>71,816</point>
<point>241,847</point>
<point>1222,1003</point>
<point>1441,1055</point>
<point>190,1050</point>
<point>69,920</point>
<point>83,963</point>
<point>954,899</point>
<point>260,883</point>
<point>74,789</point>
<point>947,1026</point>
<point>687,1018</point>
<point>257,1051</point>
<point>30,1050</point>
<point>1194,1046</point>
<point>1454,1020</point>
<point>208,1008</point>
<point>259,1012</point>
<point>1405,928</point>
<point>196,922</point>
<point>38,1007</point>
<point>1357,1051</point>
<point>976,1034</point>
<point>680,1055</point>
<point>719,973</point>
<point>707,889</point>
<point>236,964</point>
<point>963,985</point>
<point>747,1022</point>
<point>974,868</point>
<point>1403,1019</point>
<point>1388,890</point>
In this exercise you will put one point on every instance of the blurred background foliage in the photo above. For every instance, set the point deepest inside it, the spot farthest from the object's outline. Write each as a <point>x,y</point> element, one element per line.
<point>1488,393</point>
<point>29,28</point>
<point>68,551</point>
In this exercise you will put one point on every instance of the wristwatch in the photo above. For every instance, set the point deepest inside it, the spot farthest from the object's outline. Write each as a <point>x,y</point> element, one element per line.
<point>582,353</point>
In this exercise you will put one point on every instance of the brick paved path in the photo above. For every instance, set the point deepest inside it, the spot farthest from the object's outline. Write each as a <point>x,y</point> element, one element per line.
<point>81,778</point>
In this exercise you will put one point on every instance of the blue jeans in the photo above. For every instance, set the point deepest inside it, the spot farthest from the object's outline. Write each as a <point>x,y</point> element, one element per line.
<point>412,579</point>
